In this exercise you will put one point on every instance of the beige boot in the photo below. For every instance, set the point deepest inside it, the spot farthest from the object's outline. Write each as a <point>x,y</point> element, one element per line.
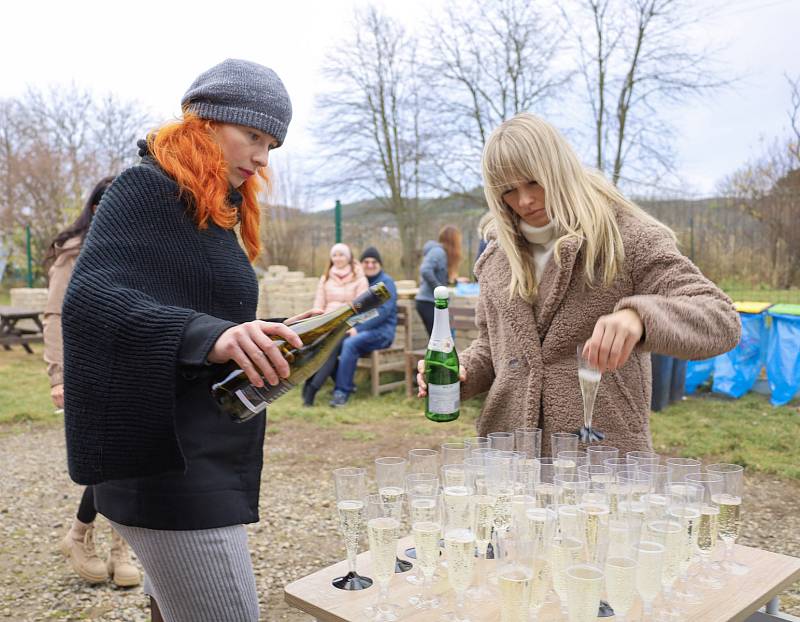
<point>119,565</point>
<point>78,547</point>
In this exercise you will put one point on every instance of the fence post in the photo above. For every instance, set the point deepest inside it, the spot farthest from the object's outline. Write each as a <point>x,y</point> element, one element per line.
<point>337,215</point>
<point>30,258</point>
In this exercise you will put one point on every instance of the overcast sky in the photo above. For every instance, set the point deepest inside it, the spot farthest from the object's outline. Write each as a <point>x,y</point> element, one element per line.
<point>152,50</point>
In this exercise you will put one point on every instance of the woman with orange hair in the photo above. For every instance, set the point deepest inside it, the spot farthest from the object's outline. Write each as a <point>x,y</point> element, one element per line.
<point>439,267</point>
<point>162,297</point>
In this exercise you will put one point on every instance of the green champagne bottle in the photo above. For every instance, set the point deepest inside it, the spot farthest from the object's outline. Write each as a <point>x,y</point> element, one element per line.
<point>320,335</point>
<point>441,365</point>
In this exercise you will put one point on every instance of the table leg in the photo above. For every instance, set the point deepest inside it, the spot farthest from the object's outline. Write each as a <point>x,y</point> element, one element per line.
<point>774,606</point>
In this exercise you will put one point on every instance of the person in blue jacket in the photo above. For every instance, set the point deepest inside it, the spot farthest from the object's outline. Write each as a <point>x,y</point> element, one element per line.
<point>440,261</point>
<point>374,334</point>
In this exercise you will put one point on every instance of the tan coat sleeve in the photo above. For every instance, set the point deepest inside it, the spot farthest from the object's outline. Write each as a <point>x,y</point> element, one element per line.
<point>477,359</point>
<point>60,273</point>
<point>684,314</point>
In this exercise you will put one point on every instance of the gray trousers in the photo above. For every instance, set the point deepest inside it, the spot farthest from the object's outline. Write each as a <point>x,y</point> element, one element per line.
<point>197,576</point>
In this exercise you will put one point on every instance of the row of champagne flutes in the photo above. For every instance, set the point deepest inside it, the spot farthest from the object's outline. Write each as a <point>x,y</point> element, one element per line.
<point>580,523</point>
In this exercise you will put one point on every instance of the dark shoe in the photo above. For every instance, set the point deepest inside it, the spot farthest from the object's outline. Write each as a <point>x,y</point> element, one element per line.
<point>309,393</point>
<point>339,398</point>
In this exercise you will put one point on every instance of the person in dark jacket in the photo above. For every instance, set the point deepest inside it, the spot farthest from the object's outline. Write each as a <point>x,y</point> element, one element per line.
<point>440,262</point>
<point>374,334</point>
<point>161,303</point>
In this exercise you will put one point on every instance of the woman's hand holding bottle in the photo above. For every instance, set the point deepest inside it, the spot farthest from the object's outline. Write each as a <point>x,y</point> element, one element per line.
<point>249,345</point>
<point>423,386</point>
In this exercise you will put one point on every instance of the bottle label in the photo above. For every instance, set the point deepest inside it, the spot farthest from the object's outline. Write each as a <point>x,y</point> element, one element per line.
<point>256,400</point>
<point>441,345</point>
<point>444,399</point>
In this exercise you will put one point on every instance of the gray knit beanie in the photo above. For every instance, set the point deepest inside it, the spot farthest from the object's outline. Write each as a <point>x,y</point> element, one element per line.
<point>244,93</point>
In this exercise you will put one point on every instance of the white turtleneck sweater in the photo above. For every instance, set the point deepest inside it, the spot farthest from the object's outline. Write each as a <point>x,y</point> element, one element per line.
<point>541,240</point>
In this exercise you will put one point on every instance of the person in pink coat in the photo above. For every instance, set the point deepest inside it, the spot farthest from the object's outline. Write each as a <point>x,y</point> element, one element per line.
<point>342,282</point>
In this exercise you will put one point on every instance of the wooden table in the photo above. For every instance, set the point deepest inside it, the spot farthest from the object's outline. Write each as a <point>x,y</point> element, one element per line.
<point>738,601</point>
<point>11,334</point>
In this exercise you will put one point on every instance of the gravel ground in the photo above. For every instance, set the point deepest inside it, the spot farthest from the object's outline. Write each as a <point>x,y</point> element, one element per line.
<point>297,534</point>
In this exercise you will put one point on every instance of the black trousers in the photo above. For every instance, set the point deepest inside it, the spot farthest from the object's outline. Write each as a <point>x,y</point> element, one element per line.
<point>425,310</point>
<point>328,369</point>
<point>86,511</point>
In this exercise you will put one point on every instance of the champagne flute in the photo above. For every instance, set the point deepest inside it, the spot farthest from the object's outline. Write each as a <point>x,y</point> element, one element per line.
<point>529,442</point>
<point>669,534</point>
<point>390,473</point>
<point>620,464</point>
<point>350,484</point>
<point>515,579</point>
<point>649,558</point>
<point>593,520</point>
<point>382,530</point>
<point>563,441</point>
<point>570,488</point>
<point>707,532</point>
<point>545,489</point>
<point>501,440</point>
<point>687,500</point>
<point>566,549</point>
<point>541,529</point>
<point>584,583</point>
<point>620,574</point>
<point>426,528</point>
<point>643,457</point>
<point>454,453</point>
<point>589,380</point>
<point>679,468</point>
<point>569,461</point>
<point>423,461</point>
<point>459,546</point>
<point>476,442</point>
<point>526,476</point>
<point>598,454</point>
<point>419,485</point>
<point>730,502</point>
<point>483,521</point>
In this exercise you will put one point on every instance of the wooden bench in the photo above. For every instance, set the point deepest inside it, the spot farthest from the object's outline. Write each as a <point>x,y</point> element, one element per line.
<point>461,319</point>
<point>389,359</point>
<point>12,335</point>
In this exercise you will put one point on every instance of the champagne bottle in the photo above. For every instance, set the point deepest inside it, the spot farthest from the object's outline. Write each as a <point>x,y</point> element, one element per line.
<point>320,335</point>
<point>441,365</point>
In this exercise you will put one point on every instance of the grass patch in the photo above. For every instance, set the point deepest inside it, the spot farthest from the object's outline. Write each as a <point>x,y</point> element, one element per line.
<point>24,387</point>
<point>748,431</point>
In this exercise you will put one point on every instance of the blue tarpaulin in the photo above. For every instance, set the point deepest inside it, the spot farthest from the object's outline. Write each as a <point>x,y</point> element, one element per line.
<point>783,358</point>
<point>736,372</point>
<point>697,372</point>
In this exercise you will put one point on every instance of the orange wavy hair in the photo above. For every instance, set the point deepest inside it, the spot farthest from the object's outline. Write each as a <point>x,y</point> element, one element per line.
<point>187,150</point>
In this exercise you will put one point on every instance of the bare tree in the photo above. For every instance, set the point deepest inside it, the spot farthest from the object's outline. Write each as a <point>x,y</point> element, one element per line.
<point>284,226</point>
<point>372,122</point>
<point>489,61</point>
<point>54,146</point>
<point>768,189</point>
<point>636,58</point>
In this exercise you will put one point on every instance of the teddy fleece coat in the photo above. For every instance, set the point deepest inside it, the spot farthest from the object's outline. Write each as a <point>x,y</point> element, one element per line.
<point>525,354</point>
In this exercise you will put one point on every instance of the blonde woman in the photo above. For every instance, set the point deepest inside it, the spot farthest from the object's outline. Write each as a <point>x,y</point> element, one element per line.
<point>571,261</point>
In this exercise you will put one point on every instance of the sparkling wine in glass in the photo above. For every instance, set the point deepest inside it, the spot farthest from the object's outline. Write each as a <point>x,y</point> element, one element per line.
<point>589,380</point>
<point>382,531</point>
<point>350,484</point>
<point>730,503</point>
<point>390,473</point>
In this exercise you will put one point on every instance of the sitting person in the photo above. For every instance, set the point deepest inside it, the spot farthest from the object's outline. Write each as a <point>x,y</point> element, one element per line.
<point>342,283</point>
<point>374,334</point>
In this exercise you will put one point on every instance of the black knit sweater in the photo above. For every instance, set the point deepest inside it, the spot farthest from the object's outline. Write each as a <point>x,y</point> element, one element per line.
<point>149,297</point>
